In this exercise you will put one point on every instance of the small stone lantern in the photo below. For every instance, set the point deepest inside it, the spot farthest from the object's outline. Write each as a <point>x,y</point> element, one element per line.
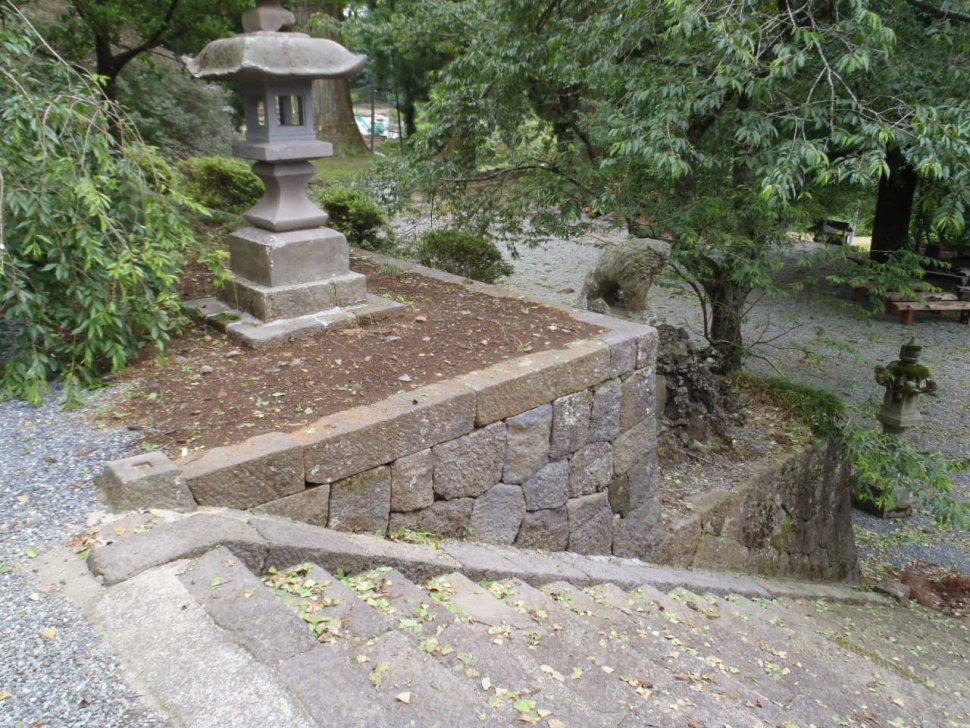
<point>289,270</point>
<point>904,381</point>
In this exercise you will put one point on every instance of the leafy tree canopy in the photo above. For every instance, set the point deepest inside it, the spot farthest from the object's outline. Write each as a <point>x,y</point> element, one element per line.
<point>713,124</point>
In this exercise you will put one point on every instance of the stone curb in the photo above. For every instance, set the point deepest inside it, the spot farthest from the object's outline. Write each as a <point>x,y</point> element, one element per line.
<point>265,541</point>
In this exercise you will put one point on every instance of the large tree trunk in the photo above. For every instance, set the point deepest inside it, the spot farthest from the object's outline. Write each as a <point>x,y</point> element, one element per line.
<point>334,118</point>
<point>726,300</point>
<point>894,207</point>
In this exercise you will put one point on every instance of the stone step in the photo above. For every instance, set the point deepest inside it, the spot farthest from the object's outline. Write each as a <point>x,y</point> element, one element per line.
<point>909,651</point>
<point>365,630</point>
<point>925,643</point>
<point>857,685</point>
<point>688,643</point>
<point>269,629</point>
<point>170,646</point>
<point>637,676</point>
<point>484,652</point>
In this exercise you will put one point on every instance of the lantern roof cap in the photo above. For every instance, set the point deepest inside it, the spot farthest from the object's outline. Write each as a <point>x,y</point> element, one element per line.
<point>268,55</point>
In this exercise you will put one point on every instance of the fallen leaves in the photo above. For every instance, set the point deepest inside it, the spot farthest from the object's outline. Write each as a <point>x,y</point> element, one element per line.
<point>49,633</point>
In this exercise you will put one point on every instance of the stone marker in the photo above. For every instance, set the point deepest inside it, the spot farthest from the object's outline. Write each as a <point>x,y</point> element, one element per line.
<point>149,480</point>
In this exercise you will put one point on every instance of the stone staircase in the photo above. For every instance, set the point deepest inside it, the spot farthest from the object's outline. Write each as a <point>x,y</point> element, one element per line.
<point>304,644</point>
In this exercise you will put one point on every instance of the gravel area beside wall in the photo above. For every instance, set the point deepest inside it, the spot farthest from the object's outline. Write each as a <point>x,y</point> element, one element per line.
<point>54,666</point>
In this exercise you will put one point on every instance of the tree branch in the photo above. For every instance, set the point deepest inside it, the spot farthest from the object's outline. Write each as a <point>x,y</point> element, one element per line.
<point>938,12</point>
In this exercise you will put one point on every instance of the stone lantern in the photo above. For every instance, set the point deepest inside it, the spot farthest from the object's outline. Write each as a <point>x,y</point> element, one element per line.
<point>290,271</point>
<point>904,380</point>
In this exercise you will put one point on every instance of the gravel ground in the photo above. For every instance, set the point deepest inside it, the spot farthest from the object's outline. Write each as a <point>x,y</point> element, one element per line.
<point>54,669</point>
<point>49,457</point>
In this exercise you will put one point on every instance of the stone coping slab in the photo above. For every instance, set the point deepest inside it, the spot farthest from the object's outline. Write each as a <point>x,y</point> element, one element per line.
<point>264,541</point>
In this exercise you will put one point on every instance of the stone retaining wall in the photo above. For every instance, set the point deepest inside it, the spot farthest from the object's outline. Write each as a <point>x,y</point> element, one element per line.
<point>794,519</point>
<point>555,450</point>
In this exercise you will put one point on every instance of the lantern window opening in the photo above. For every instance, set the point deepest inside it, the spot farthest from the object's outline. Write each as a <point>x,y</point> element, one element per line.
<point>290,110</point>
<point>260,113</point>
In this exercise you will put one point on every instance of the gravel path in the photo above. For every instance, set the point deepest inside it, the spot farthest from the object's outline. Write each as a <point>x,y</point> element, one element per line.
<point>53,666</point>
<point>48,458</point>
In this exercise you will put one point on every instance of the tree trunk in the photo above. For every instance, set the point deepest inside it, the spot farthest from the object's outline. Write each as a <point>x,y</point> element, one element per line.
<point>334,117</point>
<point>726,300</point>
<point>894,207</point>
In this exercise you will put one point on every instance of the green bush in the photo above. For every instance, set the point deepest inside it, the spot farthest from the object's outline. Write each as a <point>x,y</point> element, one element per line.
<point>464,254</point>
<point>221,183</point>
<point>351,213</point>
<point>92,233</point>
<point>180,115</point>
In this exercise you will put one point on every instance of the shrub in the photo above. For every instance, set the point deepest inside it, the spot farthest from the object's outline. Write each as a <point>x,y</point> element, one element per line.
<point>351,213</point>
<point>221,183</point>
<point>92,233</point>
<point>173,111</point>
<point>464,254</point>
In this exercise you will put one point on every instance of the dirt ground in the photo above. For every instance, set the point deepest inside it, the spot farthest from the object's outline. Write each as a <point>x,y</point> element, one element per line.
<point>211,391</point>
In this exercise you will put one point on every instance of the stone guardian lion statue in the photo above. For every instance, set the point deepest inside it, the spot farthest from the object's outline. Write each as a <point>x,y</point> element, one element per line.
<point>623,275</point>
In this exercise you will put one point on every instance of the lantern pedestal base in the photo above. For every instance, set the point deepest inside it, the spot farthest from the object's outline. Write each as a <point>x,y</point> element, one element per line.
<point>249,330</point>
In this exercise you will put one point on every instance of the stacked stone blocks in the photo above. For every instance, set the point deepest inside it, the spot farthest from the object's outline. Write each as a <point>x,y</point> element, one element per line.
<point>555,451</point>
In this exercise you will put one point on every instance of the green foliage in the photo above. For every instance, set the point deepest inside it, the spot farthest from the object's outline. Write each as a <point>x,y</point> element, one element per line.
<point>883,467</point>
<point>353,214</point>
<point>92,233</point>
<point>180,115</point>
<point>221,183</point>
<point>464,254</point>
<point>822,411</point>
<point>714,125</point>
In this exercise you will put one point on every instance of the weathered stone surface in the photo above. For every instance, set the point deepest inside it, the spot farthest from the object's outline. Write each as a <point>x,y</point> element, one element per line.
<point>254,472</point>
<point>633,445</point>
<point>182,539</point>
<point>281,302</point>
<point>412,484</point>
<point>618,493</point>
<point>470,465</point>
<point>792,519</point>
<point>343,706</point>
<point>444,518</point>
<point>280,259</point>
<point>497,514</point>
<point>528,443</point>
<point>251,614</point>
<point>638,398</point>
<point>644,478</point>
<point>355,440</point>
<point>507,389</point>
<point>623,342</point>
<point>570,423</point>
<point>547,529</point>
<point>149,480</point>
<point>590,524</point>
<point>590,469</point>
<point>548,488</point>
<point>310,506</point>
<point>647,345</point>
<point>639,532</point>
<point>604,423</point>
<point>362,503</point>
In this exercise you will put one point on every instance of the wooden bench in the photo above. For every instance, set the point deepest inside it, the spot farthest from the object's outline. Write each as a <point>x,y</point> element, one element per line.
<point>906,309</point>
